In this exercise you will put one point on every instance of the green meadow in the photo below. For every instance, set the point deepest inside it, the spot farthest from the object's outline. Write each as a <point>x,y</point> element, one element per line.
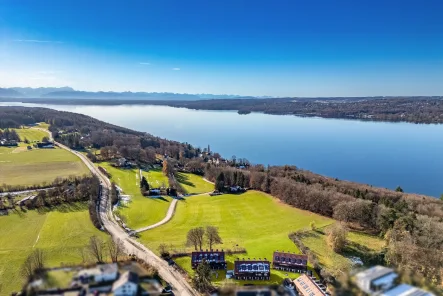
<point>253,220</point>
<point>33,135</point>
<point>142,210</point>
<point>156,178</point>
<point>194,184</point>
<point>20,166</point>
<point>60,233</point>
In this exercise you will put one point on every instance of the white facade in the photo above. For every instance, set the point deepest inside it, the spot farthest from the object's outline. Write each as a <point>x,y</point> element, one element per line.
<point>377,278</point>
<point>126,289</point>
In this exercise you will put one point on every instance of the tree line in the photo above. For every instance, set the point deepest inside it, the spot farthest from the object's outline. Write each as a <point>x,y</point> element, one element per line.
<point>405,219</point>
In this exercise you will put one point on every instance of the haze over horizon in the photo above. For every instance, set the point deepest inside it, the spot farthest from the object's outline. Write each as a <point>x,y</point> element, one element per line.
<point>279,48</point>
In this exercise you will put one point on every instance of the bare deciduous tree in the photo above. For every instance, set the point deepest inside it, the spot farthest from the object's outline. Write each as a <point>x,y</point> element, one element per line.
<point>96,247</point>
<point>33,264</point>
<point>115,248</point>
<point>212,236</point>
<point>195,237</point>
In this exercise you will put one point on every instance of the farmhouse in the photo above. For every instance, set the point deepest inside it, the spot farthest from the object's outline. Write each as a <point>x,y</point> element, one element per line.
<point>216,259</point>
<point>308,286</point>
<point>290,262</point>
<point>126,285</point>
<point>252,269</point>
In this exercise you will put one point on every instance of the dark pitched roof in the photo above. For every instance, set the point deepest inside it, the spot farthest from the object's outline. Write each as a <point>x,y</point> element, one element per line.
<point>251,266</point>
<point>289,258</point>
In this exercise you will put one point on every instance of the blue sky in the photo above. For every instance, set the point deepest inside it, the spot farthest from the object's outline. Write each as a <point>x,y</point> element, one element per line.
<point>277,48</point>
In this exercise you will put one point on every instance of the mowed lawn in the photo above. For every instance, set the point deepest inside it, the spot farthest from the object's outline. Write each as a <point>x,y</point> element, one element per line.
<point>156,178</point>
<point>33,135</point>
<point>142,210</point>
<point>194,184</point>
<point>253,220</point>
<point>20,166</point>
<point>60,233</point>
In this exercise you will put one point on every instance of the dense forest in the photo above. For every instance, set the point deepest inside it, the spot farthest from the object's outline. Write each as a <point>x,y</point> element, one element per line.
<point>80,131</point>
<point>406,109</point>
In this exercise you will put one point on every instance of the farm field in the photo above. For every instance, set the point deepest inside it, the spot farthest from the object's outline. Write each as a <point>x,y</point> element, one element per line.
<point>156,178</point>
<point>140,211</point>
<point>33,135</point>
<point>252,220</point>
<point>335,263</point>
<point>194,184</point>
<point>20,166</point>
<point>60,233</point>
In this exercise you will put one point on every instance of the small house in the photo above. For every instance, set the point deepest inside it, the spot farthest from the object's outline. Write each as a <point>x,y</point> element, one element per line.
<point>290,262</point>
<point>126,285</point>
<point>246,269</point>
<point>216,259</point>
<point>43,145</point>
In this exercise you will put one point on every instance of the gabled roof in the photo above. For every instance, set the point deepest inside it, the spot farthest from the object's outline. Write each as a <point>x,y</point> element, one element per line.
<point>374,273</point>
<point>127,277</point>
<point>307,286</point>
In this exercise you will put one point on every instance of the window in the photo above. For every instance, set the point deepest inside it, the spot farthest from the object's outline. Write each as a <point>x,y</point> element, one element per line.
<point>277,258</point>
<point>283,259</point>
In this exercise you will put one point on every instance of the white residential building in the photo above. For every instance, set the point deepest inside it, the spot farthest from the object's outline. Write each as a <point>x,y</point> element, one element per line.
<point>126,285</point>
<point>406,290</point>
<point>100,273</point>
<point>375,279</point>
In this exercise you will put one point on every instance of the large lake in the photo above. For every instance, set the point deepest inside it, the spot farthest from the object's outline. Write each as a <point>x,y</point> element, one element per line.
<point>376,153</point>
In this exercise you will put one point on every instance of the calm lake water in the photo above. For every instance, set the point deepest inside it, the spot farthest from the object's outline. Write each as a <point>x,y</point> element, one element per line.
<point>376,153</point>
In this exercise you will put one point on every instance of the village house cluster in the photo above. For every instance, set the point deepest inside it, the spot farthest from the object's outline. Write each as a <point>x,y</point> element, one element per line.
<point>252,269</point>
<point>118,279</point>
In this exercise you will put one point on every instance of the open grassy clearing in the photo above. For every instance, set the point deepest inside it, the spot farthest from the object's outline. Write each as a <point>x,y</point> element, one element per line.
<point>33,135</point>
<point>194,184</point>
<point>60,233</point>
<point>336,263</point>
<point>252,220</point>
<point>20,166</point>
<point>142,210</point>
<point>156,178</point>
<point>43,125</point>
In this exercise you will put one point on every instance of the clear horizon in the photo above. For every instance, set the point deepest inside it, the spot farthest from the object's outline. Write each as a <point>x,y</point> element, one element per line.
<point>280,49</point>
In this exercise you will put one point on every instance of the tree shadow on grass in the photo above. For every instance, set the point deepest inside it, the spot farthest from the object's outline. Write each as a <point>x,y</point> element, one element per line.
<point>65,208</point>
<point>183,179</point>
<point>158,198</point>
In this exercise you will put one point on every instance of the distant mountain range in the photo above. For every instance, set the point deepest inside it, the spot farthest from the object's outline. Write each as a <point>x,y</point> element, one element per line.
<point>70,93</point>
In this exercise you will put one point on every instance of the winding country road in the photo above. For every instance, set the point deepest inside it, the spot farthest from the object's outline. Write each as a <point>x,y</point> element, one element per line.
<point>168,273</point>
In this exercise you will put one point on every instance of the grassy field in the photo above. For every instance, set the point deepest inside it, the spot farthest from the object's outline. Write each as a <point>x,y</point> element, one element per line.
<point>194,184</point>
<point>33,135</point>
<point>20,166</point>
<point>59,233</point>
<point>156,178</point>
<point>252,220</point>
<point>141,211</point>
<point>336,263</point>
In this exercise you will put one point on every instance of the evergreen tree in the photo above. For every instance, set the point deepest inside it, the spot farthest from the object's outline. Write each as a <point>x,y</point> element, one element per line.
<point>202,277</point>
<point>399,189</point>
<point>220,182</point>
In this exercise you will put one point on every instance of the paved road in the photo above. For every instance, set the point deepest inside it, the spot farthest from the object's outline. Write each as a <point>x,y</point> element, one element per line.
<point>168,273</point>
<point>23,191</point>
